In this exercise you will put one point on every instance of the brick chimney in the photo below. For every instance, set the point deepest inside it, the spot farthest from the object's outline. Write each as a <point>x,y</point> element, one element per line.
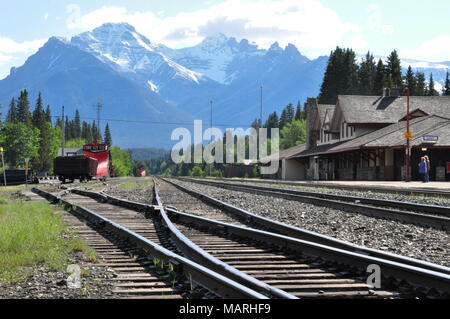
<point>311,113</point>
<point>395,92</point>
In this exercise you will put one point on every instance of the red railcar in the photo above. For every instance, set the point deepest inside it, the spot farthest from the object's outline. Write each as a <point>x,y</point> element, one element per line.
<point>141,171</point>
<point>94,163</point>
<point>101,153</point>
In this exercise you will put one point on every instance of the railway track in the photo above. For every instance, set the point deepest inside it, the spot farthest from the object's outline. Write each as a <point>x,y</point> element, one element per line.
<point>379,189</point>
<point>135,276</point>
<point>252,258</point>
<point>259,263</point>
<point>420,214</point>
<point>145,269</point>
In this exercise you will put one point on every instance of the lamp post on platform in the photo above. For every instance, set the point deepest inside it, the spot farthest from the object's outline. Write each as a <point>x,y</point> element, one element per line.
<point>408,136</point>
<point>3,166</point>
<point>260,118</point>
<point>210,166</point>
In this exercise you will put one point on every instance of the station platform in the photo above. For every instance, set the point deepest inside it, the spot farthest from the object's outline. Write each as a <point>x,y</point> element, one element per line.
<point>444,186</point>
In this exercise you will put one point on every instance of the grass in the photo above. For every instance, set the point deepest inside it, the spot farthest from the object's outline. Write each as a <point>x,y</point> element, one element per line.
<point>32,233</point>
<point>129,185</point>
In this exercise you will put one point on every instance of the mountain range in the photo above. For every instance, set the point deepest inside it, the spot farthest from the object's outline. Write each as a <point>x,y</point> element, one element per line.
<point>148,89</point>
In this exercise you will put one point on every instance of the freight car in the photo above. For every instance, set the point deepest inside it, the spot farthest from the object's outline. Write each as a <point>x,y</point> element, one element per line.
<point>94,163</point>
<point>75,167</point>
<point>101,153</point>
<point>18,176</point>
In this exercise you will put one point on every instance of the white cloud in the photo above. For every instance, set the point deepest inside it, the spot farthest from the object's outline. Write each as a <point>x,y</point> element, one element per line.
<point>387,29</point>
<point>16,52</point>
<point>358,43</point>
<point>375,20</point>
<point>46,16</point>
<point>307,23</point>
<point>5,58</point>
<point>434,50</point>
<point>9,46</point>
<point>74,12</point>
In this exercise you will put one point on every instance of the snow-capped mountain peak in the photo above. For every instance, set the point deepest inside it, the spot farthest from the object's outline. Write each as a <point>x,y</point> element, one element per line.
<point>124,49</point>
<point>213,56</point>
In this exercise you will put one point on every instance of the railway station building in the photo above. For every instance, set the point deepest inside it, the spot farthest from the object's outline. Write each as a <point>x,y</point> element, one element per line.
<point>363,138</point>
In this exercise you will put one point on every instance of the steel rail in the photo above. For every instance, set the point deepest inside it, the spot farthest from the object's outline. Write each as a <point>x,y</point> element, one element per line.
<point>222,286</point>
<point>303,234</point>
<point>380,189</point>
<point>439,222</point>
<point>424,208</point>
<point>189,248</point>
<point>390,269</point>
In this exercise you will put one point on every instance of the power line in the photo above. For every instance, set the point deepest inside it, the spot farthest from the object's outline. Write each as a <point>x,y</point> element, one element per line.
<point>150,122</point>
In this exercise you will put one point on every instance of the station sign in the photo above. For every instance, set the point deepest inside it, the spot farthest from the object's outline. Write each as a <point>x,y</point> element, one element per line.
<point>430,139</point>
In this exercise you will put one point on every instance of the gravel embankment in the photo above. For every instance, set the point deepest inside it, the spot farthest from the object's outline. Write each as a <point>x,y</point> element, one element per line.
<point>133,189</point>
<point>43,283</point>
<point>404,239</point>
<point>430,200</point>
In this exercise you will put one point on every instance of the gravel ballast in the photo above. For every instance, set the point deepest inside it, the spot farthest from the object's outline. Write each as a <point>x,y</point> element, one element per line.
<point>423,243</point>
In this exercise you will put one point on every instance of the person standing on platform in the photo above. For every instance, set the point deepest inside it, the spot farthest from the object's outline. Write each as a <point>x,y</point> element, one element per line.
<point>422,168</point>
<point>427,173</point>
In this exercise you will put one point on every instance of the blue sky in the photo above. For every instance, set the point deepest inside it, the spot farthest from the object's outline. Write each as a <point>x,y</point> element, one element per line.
<point>416,29</point>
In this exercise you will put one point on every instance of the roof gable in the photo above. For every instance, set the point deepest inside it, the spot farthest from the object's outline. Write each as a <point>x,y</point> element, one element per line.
<point>387,110</point>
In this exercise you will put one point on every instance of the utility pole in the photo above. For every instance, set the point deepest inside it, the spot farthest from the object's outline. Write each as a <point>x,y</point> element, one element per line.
<point>408,137</point>
<point>99,108</point>
<point>260,118</point>
<point>3,165</point>
<point>26,171</point>
<point>210,166</point>
<point>63,133</point>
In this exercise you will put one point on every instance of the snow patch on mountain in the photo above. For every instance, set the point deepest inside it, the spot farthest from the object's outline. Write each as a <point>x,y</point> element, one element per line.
<point>153,87</point>
<point>125,50</point>
<point>212,57</point>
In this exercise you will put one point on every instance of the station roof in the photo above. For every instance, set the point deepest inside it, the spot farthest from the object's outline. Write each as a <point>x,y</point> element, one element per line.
<point>78,151</point>
<point>287,153</point>
<point>435,127</point>
<point>389,109</point>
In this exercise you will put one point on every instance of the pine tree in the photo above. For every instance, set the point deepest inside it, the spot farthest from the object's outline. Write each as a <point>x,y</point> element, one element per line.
<point>341,76</point>
<point>77,125</point>
<point>421,85</point>
<point>330,88</point>
<point>107,135</point>
<point>58,123</point>
<point>48,115</point>
<point>86,132</point>
<point>290,112</point>
<point>446,89</point>
<point>366,75</point>
<point>299,112</point>
<point>380,78</point>
<point>11,117</point>
<point>96,135</point>
<point>23,109</point>
<point>284,120</point>
<point>411,81</point>
<point>256,124</point>
<point>431,91</point>
<point>38,114</point>
<point>67,130</point>
<point>350,75</point>
<point>272,122</point>
<point>394,69</point>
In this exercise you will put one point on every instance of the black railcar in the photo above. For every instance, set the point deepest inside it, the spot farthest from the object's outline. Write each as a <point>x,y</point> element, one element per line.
<point>75,167</point>
<point>18,176</point>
